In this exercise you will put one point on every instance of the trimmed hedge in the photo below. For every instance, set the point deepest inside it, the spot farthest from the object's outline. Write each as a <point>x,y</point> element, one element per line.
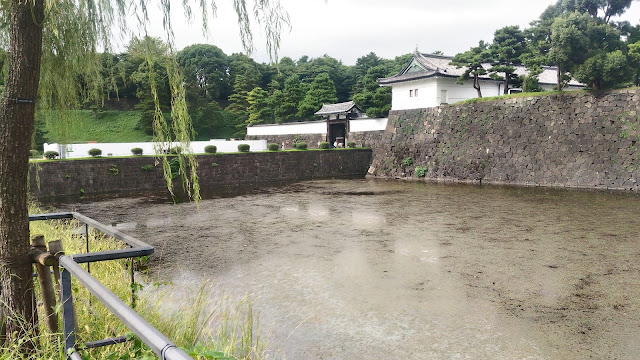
<point>51,154</point>
<point>210,149</point>
<point>323,145</point>
<point>95,152</point>
<point>34,153</point>
<point>136,151</point>
<point>351,144</point>
<point>273,147</point>
<point>244,147</point>
<point>300,146</point>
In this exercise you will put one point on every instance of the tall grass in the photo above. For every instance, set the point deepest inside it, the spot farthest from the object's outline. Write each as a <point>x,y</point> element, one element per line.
<point>204,327</point>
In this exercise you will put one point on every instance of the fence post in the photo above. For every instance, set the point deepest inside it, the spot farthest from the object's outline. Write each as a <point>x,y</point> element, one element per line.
<point>68,316</point>
<point>43,260</point>
<point>56,249</point>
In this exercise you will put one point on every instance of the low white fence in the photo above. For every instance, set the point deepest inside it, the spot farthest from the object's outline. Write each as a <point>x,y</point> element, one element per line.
<point>70,151</point>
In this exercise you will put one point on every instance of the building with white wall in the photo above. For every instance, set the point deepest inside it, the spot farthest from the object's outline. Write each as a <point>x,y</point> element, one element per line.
<point>430,80</point>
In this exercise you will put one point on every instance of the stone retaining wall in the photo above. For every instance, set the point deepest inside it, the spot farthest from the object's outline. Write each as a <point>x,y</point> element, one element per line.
<point>579,139</point>
<point>134,174</point>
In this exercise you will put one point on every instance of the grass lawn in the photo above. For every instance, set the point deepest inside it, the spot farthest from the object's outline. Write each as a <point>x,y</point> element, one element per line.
<point>77,126</point>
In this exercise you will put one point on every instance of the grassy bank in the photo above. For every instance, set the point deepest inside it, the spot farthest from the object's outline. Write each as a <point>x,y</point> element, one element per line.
<point>85,125</point>
<point>205,328</point>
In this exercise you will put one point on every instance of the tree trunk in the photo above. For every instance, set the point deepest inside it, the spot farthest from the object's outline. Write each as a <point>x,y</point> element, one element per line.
<point>476,84</point>
<point>16,125</point>
<point>559,75</point>
<point>506,82</point>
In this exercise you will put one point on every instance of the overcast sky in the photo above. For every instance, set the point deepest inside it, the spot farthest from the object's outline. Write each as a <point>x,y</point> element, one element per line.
<point>348,29</point>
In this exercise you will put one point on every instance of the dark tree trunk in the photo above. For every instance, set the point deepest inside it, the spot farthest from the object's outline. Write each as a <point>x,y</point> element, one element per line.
<point>476,84</point>
<point>506,83</point>
<point>559,75</point>
<point>16,124</point>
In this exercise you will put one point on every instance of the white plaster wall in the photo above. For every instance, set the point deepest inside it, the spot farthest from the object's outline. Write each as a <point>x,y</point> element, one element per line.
<point>427,94</point>
<point>313,127</point>
<point>361,125</point>
<point>460,92</point>
<point>70,151</point>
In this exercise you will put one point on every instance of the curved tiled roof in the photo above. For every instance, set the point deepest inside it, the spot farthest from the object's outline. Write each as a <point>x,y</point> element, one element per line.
<point>440,65</point>
<point>339,108</point>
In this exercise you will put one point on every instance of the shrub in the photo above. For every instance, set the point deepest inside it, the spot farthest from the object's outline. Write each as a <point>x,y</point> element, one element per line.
<point>114,169</point>
<point>244,147</point>
<point>273,147</point>
<point>175,150</point>
<point>95,152</point>
<point>210,149</point>
<point>323,145</point>
<point>300,146</point>
<point>51,154</point>
<point>408,161</point>
<point>421,171</point>
<point>136,151</point>
<point>34,153</point>
<point>351,144</point>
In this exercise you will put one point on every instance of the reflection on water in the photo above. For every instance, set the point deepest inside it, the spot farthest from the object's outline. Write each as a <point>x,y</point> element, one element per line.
<point>396,270</point>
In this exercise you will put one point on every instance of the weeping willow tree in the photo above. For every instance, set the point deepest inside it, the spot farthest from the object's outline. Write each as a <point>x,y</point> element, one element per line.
<point>53,62</point>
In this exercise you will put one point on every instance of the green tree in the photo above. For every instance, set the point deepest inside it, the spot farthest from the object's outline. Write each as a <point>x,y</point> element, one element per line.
<point>51,44</point>
<point>582,45</point>
<point>206,72</point>
<point>321,91</point>
<point>507,48</point>
<point>474,61</point>
<point>151,55</point>
<point>292,95</point>
<point>259,110</point>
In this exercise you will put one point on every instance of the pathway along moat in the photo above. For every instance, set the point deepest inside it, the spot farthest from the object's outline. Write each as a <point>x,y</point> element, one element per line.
<point>396,270</point>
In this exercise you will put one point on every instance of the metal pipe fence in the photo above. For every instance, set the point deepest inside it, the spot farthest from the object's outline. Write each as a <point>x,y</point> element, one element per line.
<point>149,335</point>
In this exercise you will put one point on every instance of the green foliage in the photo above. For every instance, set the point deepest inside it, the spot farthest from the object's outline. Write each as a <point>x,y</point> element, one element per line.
<point>210,149</point>
<point>474,61</point>
<point>351,144</point>
<point>147,167</point>
<point>95,152</point>
<point>506,50</point>
<point>321,91</point>
<point>300,145</point>
<point>214,164</point>
<point>136,151</point>
<point>174,167</point>
<point>273,147</point>
<point>259,110</point>
<point>324,145</point>
<point>51,154</point>
<point>34,154</point>
<point>113,169</point>
<point>244,147</point>
<point>175,150</point>
<point>421,171</point>
<point>408,161</point>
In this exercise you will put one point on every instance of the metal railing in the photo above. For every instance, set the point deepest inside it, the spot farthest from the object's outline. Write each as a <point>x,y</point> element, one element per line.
<point>149,335</point>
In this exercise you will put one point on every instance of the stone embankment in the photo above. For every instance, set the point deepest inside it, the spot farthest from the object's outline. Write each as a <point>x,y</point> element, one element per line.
<point>580,139</point>
<point>138,174</point>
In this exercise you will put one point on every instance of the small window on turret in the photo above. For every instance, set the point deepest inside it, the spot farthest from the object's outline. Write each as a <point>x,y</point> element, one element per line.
<point>410,93</point>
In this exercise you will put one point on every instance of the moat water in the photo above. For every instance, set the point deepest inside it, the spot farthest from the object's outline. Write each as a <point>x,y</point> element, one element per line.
<point>365,269</point>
